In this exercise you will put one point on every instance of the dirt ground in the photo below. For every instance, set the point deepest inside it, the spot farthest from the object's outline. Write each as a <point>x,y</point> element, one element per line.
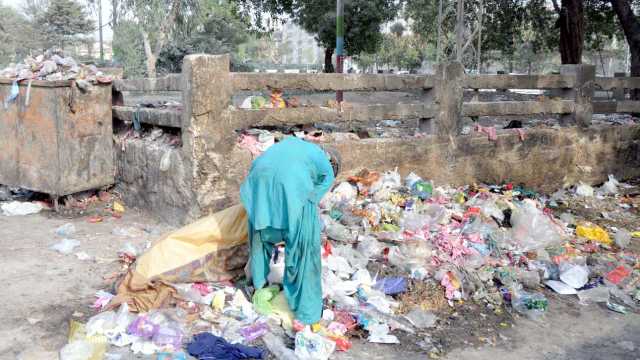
<point>43,290</point>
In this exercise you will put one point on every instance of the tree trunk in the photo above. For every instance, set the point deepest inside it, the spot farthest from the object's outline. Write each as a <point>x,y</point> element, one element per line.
<point>631,27</point>
<point>328,63</point>
<point>114,13</point>
<point>571,23</point>
<point>152,59</point>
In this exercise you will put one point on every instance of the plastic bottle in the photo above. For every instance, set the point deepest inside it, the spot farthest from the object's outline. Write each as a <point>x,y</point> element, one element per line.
<point>277,348</point>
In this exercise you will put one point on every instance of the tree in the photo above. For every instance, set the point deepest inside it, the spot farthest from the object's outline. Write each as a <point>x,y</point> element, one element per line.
<point>571,25</point>
<point>207,26</point>
<point>510,24</point>
<point>631,27</point>
<point>216,28</point>
<point>155,19</point>
<point>363,21</point>
<point>64,21</point>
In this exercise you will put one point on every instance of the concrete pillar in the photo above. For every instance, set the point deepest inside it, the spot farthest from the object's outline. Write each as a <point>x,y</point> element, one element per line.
<point>449,97</point>
<point>619,92</point>
<point>581,93</point>
<point>205,136</point>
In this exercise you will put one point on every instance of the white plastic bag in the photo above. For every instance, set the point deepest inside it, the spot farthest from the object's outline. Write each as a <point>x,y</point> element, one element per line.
<point>344,193</point>
<point>276,267</point>
<point>584,190</point>
<point>610,187</point>
<point>312,346</point>
<point>17,208</point>
<point>574,275</point>
<point>379,333</point>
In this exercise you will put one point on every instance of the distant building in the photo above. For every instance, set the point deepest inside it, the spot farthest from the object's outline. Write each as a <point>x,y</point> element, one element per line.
<point>296,46</point>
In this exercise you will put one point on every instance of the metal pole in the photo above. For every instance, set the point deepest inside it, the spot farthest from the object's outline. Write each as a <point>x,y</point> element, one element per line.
<point>459,29</point>
<point>439,41</point>
<point>339,43</point>
<point>479,52</point>
<point>100,31</point>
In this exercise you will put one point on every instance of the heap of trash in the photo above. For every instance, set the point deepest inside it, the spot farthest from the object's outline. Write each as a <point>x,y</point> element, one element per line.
<point>53,66</point>
<point>500,246</point>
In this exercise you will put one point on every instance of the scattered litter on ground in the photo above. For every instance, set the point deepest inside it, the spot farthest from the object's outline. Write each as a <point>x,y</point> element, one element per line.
<point>16,208</point>
<point>400,258</point>
<point>65,246</point>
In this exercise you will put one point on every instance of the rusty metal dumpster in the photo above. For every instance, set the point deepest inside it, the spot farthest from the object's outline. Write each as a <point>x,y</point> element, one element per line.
<point>60,142</point>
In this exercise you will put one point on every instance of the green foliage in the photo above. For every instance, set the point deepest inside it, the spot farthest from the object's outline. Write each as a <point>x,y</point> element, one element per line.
<point>12,22</point>
<point>363,19</point>
<point>211,26</point>
<point>512,29</point>
<point>215,29</point>
<point>401,52</point>
<point>63,22</point>
<point>128,49</point>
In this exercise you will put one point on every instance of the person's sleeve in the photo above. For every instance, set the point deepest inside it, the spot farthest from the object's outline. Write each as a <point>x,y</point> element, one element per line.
<point>325,176</point>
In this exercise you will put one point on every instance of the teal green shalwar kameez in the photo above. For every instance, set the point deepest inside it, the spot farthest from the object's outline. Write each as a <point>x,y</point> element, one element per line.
<point>281,196</point>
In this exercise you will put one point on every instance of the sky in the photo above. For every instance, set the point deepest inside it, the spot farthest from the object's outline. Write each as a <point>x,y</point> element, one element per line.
<point>106,13</point>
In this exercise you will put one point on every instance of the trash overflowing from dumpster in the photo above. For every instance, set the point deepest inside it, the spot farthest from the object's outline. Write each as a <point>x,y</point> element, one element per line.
<point>395,251</point>
<point>53,66</point>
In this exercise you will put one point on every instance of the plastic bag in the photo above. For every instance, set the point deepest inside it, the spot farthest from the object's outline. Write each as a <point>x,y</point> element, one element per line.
<point>311,346</point>
<point>337,231</point>
<point>583,189</point>
<point>532,229</point>
<point>533,305</point>
<point>594,233</point>
<point>379,333</point>
<point>344,193</point>
<point>610,187</point>
<point>368,246</point>
<point>262,299</point>
<point>65,246</point>
<point>411,179</point>
<point>622,238</point>
<point>17,208</point>
<point>276,266</point>
<point>67,229</point>
<point>102,323</point>
<point>389,180</point>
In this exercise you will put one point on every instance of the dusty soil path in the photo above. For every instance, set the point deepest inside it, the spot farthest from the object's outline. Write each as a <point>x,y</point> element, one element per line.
<point>42,290</point>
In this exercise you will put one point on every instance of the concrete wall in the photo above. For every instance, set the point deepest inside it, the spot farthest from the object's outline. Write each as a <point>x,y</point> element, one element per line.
<point>206,172</point>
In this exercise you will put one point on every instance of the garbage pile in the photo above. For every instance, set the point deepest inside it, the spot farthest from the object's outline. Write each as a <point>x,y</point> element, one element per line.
<point>497,245</point>
<point>53,66</point>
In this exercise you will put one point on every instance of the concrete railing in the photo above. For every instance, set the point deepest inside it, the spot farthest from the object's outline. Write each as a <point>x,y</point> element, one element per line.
<point>212,166</point>
<point>572,97</point>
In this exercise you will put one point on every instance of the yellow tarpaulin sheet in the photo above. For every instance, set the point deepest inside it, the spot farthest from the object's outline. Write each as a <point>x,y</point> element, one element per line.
<point>210,249</point>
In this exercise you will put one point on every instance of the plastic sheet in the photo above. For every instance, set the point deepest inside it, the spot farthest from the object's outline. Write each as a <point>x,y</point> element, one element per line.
<point>532,229</point>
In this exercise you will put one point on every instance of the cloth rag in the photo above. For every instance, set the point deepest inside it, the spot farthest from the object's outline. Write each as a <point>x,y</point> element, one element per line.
<point>208,346</point>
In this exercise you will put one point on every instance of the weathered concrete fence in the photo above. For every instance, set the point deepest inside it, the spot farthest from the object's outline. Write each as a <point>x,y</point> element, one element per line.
<point>206,172</point>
